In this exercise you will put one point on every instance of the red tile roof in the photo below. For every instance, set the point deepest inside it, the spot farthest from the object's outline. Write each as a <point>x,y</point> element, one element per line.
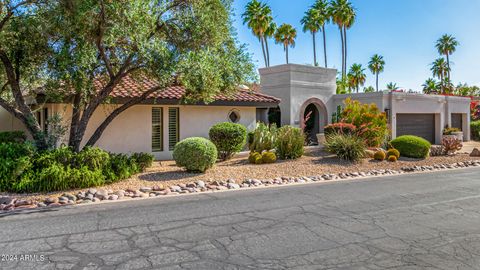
<point>132,88</point>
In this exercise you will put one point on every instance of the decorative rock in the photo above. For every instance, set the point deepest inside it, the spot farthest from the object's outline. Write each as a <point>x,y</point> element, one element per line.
<point>89,197</point>
<point>145,189</point>
<point>92,191</point>
<point>27,206</point>
<point>22,203</point>
<point>233,186</point>
<point>157,188</point>
<point>101,194</point>
<point>475,152</point>
<point>96,199</point>
<point>113,197</point>
<point>191,185</point>
<point>51,200</point>
<point>120,194</point>
<point>200,184</point>
<point>54,204</point>
<point>70,197</point>
<point>175,188</point>
<point>6,200</point>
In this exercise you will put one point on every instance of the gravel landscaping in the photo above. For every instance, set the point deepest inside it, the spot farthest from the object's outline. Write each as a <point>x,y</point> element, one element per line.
<point>164,178</point>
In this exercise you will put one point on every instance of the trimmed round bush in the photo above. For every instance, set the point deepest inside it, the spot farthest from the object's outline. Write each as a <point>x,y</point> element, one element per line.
<point>412,146</point>
<point>269,157</point>
<point>379,155</point>
<point>392,158</point>
<point>195,154</point>
<point>253,156</point>
<point>393,152</point>
<point>229,138</point>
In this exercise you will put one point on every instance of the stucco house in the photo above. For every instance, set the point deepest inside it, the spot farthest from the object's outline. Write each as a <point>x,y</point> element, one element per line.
<point>288,93</point>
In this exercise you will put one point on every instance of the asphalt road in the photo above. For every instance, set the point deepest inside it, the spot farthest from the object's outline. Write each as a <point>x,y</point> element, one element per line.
<point>416,221</point>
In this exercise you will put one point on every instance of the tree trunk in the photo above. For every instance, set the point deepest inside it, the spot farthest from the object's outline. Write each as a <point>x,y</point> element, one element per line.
<point>448,66</point>
<point>75,119</point>
<point>343,54</point>
<point>263,50</point>
<point>99,131</point>
<point>314,50</point>
<point>345,39</point>
<point>286,53</point>
<point>268,51</point>
<point>324,46</point>
<point>376,80</point>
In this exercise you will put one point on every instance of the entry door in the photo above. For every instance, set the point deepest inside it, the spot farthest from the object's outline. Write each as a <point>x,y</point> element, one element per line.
<point>421,125</point>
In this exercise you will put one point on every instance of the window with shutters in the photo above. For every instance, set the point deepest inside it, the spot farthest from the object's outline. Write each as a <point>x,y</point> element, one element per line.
<point>157,129</point>
<point>173,127</point>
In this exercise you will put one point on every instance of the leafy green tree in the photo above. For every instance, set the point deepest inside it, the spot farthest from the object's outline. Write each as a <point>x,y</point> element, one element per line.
<point>447,45</point>
<point>23,52</point>
<point>440,70</point>
<point>376,66</point>
<point>392,86</point>
<point>286,35</point>
<point>258,17</point>
<point>430,86</point>
<point>356,76</point>
<point>369,89</point>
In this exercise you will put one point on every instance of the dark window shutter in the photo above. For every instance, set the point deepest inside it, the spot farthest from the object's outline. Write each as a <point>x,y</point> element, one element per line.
<point>173,127</point>
<point>157,129</point>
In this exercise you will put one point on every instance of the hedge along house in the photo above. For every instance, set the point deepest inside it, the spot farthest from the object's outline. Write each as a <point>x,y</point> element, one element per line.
<point>307,90</point>
<point>158,123</point>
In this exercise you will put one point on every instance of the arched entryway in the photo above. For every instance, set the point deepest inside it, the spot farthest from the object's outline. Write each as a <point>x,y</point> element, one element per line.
<point>313,118</point>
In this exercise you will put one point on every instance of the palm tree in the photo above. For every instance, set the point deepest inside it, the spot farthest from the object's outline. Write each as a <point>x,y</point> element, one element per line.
<point>446,45</point>
<point>440,70</point>
<point>286,35</point>
<point>376,66</point>
<point>392,86</point>
<point>258,17</point>
<point>269,33</point>
<point>343,15</point>
<point>369,89</point>
<point>323,8</point>
<point>356,76</point>
<point>430,86</point>
<point>311,23</point>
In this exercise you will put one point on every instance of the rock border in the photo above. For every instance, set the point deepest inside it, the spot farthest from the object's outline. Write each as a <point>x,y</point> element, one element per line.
<point>94,195</point>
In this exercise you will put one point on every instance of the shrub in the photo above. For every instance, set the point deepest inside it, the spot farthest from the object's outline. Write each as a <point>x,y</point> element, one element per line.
<point>263,138</point>
<point>12,137</point>
<point>143,160</point>
<point>392,158</point>
<point>370,123</point>
<point>393,152</point>
<point>475,127</point>
<point>195,154</point>
<point>379,155</point>
<point>451,145</point>
<point>290,142</point>
<point>253,157</point>
<point>346,147</point>
<point>63,156</point>
<point>437,150</point>
<point>450,131</point>
<point>120,167</point>
<point>269,157</point>
<point>412,146</point>
<point>92,157</point>
<point>342,128</point>
<point>229,138</point>
<point>15,160</point>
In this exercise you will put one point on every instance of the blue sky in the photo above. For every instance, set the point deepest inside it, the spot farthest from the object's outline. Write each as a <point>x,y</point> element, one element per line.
<point>403,31</point>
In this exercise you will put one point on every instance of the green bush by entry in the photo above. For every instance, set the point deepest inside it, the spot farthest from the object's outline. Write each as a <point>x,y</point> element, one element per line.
<point>195,154</point>
<point>412,146</point>
<point>290,142</point>
<point>23,169</point>
<point>346,146</point>
<point>229,138</point>
<point>475,127</point>
<point>12,137</point>
<point>379,155</point>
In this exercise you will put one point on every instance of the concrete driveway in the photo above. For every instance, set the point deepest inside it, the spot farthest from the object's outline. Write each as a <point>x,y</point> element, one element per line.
<point>414,221</point>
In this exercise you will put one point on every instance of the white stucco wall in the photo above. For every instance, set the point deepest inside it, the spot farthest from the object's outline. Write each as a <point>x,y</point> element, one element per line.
<point>9,123</point>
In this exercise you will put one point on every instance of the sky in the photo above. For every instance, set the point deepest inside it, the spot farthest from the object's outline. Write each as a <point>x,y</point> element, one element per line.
<point>404,32</point>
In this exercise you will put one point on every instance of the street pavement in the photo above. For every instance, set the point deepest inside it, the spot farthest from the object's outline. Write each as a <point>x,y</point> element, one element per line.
<point>411,221</point>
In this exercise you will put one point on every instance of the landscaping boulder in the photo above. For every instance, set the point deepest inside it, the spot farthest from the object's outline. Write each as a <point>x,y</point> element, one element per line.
<point>475,153</point>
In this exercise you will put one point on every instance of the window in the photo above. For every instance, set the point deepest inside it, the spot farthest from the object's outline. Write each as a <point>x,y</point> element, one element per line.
<point>157,129</point>
<point>234,116</point>
<point>45,119</point>
<point>173,127</point>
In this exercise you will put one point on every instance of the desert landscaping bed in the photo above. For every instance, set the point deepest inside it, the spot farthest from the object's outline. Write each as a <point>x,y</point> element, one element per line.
<point>165,178</point>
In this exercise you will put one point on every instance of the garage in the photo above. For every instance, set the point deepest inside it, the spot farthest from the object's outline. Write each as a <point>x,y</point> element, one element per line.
<point>421,125</point>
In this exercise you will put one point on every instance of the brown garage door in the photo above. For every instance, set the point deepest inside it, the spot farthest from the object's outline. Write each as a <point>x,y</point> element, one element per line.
<point>457,121</point>
<point>421,125</point>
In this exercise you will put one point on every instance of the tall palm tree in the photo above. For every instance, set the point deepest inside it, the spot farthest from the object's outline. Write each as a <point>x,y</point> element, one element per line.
<point>258,17</point>
<point>356,76</point>
<point>446,45</point>
<point>343,15</point>
<point>311,23</point>
<point>440,70</point>
<point>286,35</point>
<point>392,86</point>
<point>430,86</point>
<point>376,66</point>
<point>323,8</point>
<point>269,33</point>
